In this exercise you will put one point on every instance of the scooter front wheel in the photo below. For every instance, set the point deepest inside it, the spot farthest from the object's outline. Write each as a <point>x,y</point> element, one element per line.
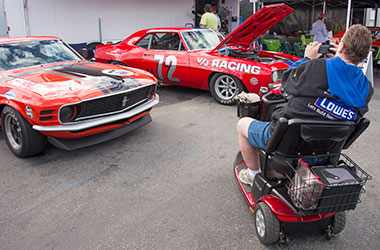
<point>266,224</point>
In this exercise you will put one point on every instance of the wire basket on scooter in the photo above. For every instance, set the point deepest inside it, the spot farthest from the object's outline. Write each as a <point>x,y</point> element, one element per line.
<point>248,105</point>
<point>248,109</point>
<point>328,188</point>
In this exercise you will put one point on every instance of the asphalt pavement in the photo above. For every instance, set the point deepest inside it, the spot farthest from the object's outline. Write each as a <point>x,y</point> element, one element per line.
<point>167,185</point>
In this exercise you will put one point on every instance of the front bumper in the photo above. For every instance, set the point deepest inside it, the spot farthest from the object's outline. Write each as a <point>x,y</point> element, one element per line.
<point>73,144</point>
<point>99,121</point>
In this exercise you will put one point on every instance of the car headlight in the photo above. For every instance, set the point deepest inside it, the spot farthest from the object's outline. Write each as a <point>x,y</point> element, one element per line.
<point>274,76</point>
<point>68,113</point>
<point>277,75</point>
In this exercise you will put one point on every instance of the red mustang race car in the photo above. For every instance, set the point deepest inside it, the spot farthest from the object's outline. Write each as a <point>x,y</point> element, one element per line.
<point>48,92</point>
<point>203,59</point>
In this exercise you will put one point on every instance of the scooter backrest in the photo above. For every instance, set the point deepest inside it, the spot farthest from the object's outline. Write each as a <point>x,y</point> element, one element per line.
<point>299,138</point>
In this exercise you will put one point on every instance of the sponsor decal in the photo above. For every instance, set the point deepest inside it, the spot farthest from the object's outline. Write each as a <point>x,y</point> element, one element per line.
<point>336,109</point>
<point>169,62</point>
<point>117,72</point>
<point>233,66</point>
<point>10,95</point>
<point>202,61</point>
<point>29,112</point>
<point>253,81</point>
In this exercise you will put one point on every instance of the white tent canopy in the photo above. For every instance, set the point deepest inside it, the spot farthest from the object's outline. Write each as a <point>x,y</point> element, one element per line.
<point>349,4</point>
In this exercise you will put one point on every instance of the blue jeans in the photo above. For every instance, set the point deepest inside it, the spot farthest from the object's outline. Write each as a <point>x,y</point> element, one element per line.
<point>258,133</point>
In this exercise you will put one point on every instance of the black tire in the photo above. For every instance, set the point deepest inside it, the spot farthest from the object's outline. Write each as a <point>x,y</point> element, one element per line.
<point>225,87</point>
<point>266,224</point>
<point>338,222</point>
<point>19,135</point>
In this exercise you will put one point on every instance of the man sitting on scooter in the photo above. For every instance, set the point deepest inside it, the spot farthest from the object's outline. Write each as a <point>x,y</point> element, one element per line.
<point>333,88</point>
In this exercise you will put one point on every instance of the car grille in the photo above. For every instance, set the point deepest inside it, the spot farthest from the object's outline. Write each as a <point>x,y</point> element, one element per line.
<point>112,104</point>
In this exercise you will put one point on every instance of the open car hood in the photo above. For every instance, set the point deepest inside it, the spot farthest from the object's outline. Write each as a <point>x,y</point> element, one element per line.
<point>256,25</point>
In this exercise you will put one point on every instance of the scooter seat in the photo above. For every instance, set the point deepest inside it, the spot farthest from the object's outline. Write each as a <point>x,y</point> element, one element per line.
<point>297,138</point>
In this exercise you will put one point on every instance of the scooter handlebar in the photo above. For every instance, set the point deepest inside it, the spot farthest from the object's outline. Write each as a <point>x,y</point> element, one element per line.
<point>271,100</point>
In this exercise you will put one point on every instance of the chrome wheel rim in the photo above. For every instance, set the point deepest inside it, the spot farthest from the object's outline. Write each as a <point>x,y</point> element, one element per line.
<point>225,87</point>
<point>13,132</point>
<point>260,223</point>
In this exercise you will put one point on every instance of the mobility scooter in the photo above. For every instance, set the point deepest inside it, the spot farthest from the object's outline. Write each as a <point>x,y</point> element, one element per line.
<point>291,196</point>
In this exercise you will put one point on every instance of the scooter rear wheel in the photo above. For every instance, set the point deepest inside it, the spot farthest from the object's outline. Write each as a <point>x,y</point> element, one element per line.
<point>266,224</point>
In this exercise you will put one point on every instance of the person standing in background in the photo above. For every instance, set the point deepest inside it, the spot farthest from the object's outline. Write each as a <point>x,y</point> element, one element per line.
<point>319,29</point>
<point>215,11</point>
<point>208,19</point>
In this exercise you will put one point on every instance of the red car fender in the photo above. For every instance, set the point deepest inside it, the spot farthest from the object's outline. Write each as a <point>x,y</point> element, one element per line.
<point>253,83</point>
<point>19,107</point>
<point>284,213</point>
<point>28,105</point>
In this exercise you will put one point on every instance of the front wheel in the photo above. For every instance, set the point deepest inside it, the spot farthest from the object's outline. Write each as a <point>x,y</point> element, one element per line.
<point>267,225</point>
<point>20,137</point>
<point>224,88</point>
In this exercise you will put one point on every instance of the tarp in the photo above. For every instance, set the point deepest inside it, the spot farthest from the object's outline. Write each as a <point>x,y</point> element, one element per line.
<point>349,4</point>
<point>330,3</point>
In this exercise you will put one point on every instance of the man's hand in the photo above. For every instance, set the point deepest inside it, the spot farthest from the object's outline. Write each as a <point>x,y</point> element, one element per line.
<point>311,50</point>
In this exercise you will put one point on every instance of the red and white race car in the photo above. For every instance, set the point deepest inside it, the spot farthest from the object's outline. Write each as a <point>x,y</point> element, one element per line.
<point>48,92</point>
<point>203,59</point>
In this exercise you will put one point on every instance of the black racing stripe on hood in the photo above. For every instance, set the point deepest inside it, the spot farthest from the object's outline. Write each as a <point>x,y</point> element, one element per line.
<point>88,65</point>
<point>133,79</point>
<point>114,83</point>
<point>81,71</point>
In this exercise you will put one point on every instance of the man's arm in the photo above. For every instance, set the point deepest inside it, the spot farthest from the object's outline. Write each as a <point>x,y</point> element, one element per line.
<point>295,64</point>
<point>203,21</point>
<point>294,76</point>
<point>311,52</point>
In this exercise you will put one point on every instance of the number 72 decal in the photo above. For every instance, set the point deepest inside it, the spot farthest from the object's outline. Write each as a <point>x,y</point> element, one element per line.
<point>171,62</point>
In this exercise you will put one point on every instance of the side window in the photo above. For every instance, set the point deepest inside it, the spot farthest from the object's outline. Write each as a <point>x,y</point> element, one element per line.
<point>144,43</point>
<point>166,41</point>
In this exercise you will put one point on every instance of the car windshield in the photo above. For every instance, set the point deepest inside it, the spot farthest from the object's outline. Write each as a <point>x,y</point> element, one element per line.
<point>202,39</point>
<point>30,53</point>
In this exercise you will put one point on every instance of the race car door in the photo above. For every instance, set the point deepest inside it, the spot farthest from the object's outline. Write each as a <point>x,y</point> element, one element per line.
<point>167,59</point>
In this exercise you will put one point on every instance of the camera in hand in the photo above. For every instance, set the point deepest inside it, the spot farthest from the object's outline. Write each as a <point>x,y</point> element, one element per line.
<point>325,48</point>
